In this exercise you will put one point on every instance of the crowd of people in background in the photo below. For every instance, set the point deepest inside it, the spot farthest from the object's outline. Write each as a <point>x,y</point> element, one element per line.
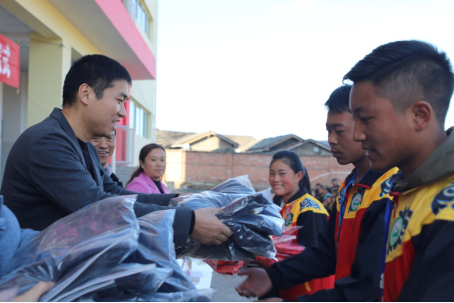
<point>327,194</point>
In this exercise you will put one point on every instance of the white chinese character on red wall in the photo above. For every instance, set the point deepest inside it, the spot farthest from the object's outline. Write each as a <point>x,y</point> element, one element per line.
<point>5,53</point>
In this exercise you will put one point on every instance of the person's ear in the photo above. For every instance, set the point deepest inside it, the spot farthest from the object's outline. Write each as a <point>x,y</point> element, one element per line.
<point>141,164</point>
<point>83,94</point>
<point>422,113</point>
<point>299,175</point>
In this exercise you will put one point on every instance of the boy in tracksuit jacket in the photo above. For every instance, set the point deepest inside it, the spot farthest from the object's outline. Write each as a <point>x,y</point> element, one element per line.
<point>353,254</point>
<point>399,102</point>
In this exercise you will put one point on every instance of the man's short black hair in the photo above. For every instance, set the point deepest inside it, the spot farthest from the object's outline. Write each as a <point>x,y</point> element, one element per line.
<point>97,71</point>
<point>407,71</point>
<point>338,100</point>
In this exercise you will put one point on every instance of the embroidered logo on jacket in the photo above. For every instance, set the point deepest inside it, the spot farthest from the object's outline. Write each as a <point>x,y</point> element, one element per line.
<point>443,199</point>
<point>289,219</point>
<point>357,199</point>
<point>308,203</point>
<point>385,187</point>
<point>398,228</point>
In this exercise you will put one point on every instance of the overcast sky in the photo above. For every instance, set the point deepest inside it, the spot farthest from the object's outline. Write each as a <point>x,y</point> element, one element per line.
<point>264,68</point>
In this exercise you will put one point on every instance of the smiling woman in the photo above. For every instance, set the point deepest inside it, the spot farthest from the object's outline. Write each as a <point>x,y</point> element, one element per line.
<point>290,182</point>
<point>147,177</point>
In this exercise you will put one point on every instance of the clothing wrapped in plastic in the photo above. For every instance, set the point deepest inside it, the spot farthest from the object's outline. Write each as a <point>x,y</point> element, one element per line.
<point>104,253</point>
<point>219,196</point>
<point>286,247</point>
<point>252,218</point>
<point>226,267</point>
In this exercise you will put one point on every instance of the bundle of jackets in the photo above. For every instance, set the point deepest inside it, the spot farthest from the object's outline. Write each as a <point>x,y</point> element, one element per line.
<point>252,218</point>
<point>103,252</point>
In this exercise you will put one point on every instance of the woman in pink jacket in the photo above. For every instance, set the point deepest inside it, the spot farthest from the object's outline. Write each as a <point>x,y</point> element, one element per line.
<point>147,178</point>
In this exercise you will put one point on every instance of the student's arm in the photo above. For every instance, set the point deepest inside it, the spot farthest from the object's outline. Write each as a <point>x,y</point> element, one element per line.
<point>363,282</point>
<point>312,225</point>
<point>432,273</point>
<point>316,261</point>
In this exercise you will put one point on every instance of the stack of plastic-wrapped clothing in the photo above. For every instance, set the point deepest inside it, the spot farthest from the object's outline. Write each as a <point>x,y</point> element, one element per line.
<point>252,217</point>
<point>286,247</point>
<point>104,253</point>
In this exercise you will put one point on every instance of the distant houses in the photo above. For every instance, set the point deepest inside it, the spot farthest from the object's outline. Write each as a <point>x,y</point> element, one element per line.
<point>214,142</point>
<point>209,158</point>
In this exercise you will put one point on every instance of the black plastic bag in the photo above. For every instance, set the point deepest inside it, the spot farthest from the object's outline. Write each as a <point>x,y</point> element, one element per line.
<point>219,196</point>
<point>252,218</point>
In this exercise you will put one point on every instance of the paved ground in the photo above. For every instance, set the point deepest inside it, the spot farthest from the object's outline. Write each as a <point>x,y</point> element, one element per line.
<point>226,290</point>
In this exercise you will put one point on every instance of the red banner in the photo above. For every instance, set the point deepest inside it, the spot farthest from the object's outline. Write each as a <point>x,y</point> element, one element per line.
<point>9,62</point>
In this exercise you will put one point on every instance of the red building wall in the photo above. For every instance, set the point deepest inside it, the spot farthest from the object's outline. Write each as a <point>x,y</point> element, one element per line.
<point>206,167</point>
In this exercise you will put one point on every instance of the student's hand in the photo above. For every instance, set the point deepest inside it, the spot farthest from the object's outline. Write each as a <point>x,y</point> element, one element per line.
<point>208,229</point>
<point>35,293</point>
<point>257,284</point>
<point>270,300</point>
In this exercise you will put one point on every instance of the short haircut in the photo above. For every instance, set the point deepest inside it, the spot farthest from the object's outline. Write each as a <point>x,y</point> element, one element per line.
<point>407,71</point>
<point>338,100</point>
<point>97,71</point>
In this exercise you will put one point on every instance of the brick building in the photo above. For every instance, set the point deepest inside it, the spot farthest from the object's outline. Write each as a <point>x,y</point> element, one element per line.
<point>210,158</point>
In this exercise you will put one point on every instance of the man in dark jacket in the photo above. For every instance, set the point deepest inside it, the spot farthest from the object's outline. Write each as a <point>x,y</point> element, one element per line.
<point>53,170</point>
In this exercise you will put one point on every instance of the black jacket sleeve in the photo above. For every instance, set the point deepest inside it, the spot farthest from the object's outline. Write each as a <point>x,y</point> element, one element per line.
<point>316,261</point>
<point>66,183</point>
<point>364,280</point>
<point>432,273</point>
<point>312,225</point>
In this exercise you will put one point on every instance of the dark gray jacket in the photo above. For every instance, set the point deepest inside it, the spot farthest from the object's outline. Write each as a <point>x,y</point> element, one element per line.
<point>46,178</point>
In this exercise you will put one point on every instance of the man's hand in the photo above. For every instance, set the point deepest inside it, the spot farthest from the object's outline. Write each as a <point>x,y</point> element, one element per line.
<point>35,293</point>
<point>257,284</point>
<point>208,229</point>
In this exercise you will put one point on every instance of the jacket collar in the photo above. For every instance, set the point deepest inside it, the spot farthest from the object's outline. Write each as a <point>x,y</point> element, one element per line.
<point>298,195</point>
<point>148,180</point>
<point>368,179</point>
<point>57,115</point>
<point>438,165</point>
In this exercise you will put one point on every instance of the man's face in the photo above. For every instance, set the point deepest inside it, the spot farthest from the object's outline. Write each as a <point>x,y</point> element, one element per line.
<point>104,114</point>
<point>105,147</point>
<point>340,138</point>
<point>384,133</point>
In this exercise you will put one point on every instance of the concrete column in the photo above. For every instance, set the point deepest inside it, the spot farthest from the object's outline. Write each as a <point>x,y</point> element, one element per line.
<point>50,60</point>
<point>14,116</point>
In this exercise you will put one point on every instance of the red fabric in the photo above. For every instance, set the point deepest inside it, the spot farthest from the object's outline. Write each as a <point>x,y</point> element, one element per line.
<point>397,272</point>
<point>284,250</point>
<point>307,288</point>
<point>346,253</point>
<point>225,267</point>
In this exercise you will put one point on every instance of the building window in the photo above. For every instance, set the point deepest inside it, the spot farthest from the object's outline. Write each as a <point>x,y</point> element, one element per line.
<point>138,119</point>
<point>139,14</point>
